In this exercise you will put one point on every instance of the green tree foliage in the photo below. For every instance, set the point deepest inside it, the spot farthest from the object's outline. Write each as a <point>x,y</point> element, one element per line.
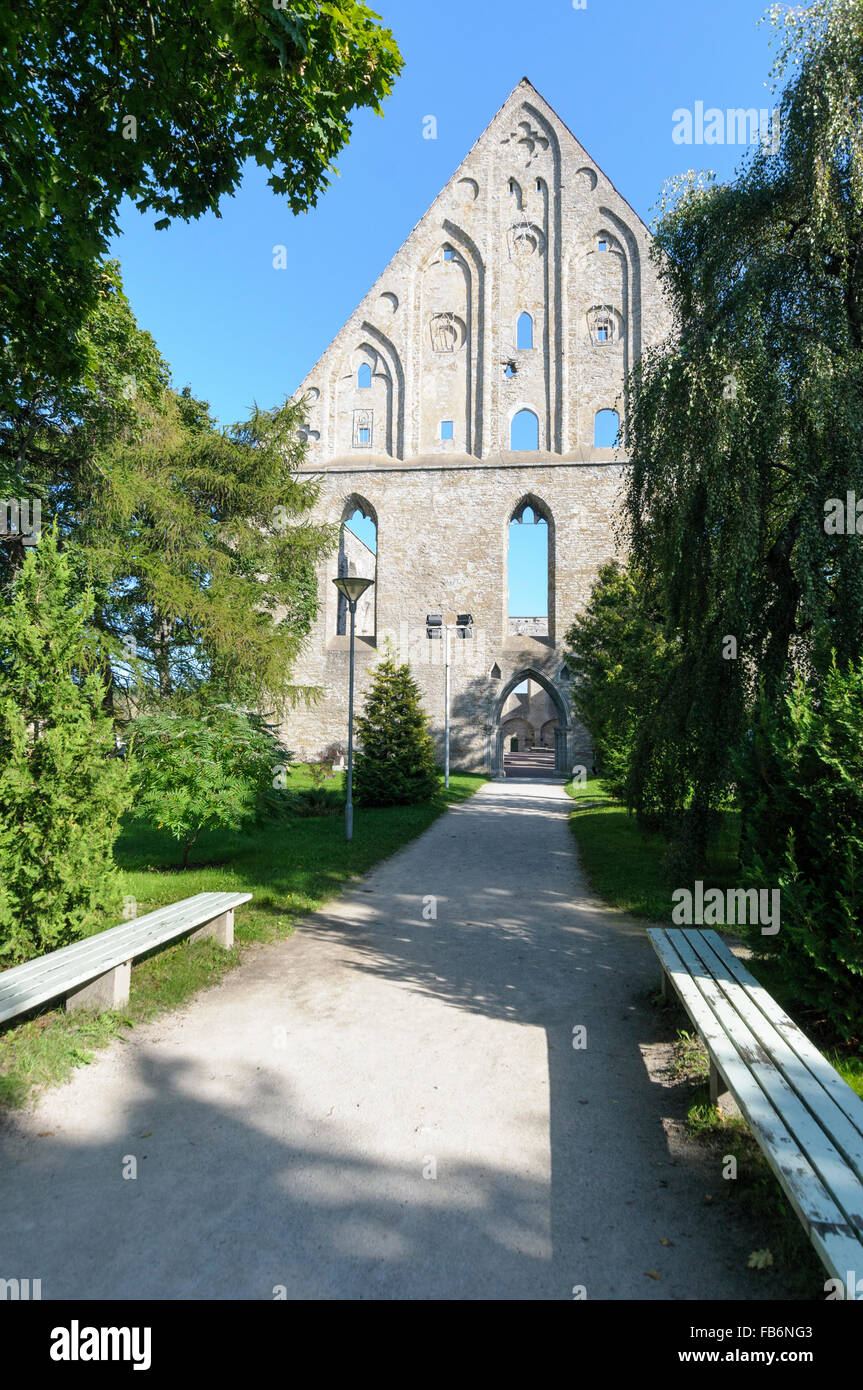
<point>53,440</point>
<point>750,419</point>
<point>195,540</point>
<point>202,554</point>
<point>801,777</point>
<point>164,103</point>
<point>396,766</point>
<point>209,771</point>
<point>614,653</point>
<point>62,787</point>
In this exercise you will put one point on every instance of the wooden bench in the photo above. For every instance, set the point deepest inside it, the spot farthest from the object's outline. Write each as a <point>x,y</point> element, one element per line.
<point>95,973</point>
<point>806,1119</point>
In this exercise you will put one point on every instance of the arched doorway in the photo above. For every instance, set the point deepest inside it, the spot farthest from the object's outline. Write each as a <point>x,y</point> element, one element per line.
<point>502,716</point>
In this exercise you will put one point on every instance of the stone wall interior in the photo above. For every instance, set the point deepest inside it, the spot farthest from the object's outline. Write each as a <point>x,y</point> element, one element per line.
<point>483,373</point>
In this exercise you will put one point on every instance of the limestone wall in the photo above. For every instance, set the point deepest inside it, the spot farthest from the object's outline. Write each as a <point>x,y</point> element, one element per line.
<point>442,547</point>
<point>410,415</point>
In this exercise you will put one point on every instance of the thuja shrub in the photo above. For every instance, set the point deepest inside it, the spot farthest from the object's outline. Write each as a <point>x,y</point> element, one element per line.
<point>801,790</point>
<point>63,789</point>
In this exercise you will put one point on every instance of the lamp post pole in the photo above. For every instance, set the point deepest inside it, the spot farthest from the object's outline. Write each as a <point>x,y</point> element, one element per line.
<point>446,715</point>
<point>351,589</point>
<point>435,625</point>
<point>349,804</point>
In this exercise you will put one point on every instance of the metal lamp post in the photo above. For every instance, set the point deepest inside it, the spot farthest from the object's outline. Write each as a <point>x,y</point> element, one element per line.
<point>351,590</point>
<point>434,626</point>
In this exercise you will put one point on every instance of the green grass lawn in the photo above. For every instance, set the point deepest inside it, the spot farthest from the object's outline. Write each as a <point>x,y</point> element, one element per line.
<point>630,869</point>
<point>291,867</point>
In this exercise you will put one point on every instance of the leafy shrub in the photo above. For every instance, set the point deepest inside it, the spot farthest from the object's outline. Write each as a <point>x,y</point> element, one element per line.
<point>212,770</point>
<point>613,651</point>
<point>318,801</point>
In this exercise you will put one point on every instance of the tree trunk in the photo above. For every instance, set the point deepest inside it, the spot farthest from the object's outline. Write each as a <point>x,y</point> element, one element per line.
<point>162,627</point>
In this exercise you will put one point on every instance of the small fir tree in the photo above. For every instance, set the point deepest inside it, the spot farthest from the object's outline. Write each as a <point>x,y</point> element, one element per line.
<point>396,766</point>
<point>62,787</point>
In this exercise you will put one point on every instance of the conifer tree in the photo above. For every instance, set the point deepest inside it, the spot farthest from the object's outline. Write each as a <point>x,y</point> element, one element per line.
<point>396,766</point>
<point>62,787</point>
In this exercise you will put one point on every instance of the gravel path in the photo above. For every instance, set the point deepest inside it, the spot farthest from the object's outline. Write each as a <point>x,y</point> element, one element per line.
<point>389,1106</point>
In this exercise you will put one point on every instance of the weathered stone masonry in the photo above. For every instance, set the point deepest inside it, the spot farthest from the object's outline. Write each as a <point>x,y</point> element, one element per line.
<point>527,225</point>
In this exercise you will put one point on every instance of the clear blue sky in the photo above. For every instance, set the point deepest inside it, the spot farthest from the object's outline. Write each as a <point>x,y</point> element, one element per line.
<point>238,330</point>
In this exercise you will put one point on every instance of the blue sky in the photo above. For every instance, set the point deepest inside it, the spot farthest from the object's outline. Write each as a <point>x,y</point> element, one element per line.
<point>238,330</point>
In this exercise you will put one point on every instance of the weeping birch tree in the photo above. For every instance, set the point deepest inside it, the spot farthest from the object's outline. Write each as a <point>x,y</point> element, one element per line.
<point>747,425</point>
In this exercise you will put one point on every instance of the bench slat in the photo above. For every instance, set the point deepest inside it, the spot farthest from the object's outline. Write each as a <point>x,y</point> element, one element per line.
<point>185,909</point>
<point>845,1097</point>
<point>36,982</point>
<point>813,1140</point>
<point>102,942</point>
<point>818,1100</point>
<point>823,1220</point>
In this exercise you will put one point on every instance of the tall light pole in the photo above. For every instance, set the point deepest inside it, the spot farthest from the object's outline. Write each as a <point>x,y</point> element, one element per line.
<point>351,590</point>
<point>446,714</point>
<point>435,625</point>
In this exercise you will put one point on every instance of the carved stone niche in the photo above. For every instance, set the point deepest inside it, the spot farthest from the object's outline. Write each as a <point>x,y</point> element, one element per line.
<point>527,140</point>
<point>524,240</point>
<point>363,429</point>
<point>447,332</point>
<point>605,325</point>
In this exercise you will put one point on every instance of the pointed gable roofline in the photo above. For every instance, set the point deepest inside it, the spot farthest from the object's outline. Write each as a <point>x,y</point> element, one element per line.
<point>526,82</point>
<point>523,86</point>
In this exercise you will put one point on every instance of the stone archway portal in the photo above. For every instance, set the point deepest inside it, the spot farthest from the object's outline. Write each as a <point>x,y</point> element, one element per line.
<point>562,734</point>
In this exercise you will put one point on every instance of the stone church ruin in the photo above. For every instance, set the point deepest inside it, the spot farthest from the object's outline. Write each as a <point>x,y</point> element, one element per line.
<point>480,382</point>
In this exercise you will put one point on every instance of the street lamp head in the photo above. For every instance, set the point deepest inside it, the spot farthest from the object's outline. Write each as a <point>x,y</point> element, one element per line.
<point>353,588</point>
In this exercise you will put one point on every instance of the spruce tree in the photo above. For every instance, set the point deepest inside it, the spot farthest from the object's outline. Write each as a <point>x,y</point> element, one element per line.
<point>396,766</point>
<point>62,787</point>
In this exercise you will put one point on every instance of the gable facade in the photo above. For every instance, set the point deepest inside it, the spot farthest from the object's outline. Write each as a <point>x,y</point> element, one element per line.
<point>465,387</point>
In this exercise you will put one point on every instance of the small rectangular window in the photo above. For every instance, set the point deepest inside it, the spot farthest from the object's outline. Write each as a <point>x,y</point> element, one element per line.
<point>446,429</point>
<point>602,246</point>
<point>365,435</point>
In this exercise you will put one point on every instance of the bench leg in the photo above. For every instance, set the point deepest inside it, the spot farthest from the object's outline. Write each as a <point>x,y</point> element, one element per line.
<point>717,1085</point>
<point>663,985</point>
<point>109,991</point>
<point>220,930</point>
<point>720,1096</point>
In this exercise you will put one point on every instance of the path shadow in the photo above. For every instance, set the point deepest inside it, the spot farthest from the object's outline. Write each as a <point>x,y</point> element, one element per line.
<point>249,1179</point>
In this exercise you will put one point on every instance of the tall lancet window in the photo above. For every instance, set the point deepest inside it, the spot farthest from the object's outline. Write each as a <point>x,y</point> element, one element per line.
<point>528,570</point>
<point>358,555</point>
